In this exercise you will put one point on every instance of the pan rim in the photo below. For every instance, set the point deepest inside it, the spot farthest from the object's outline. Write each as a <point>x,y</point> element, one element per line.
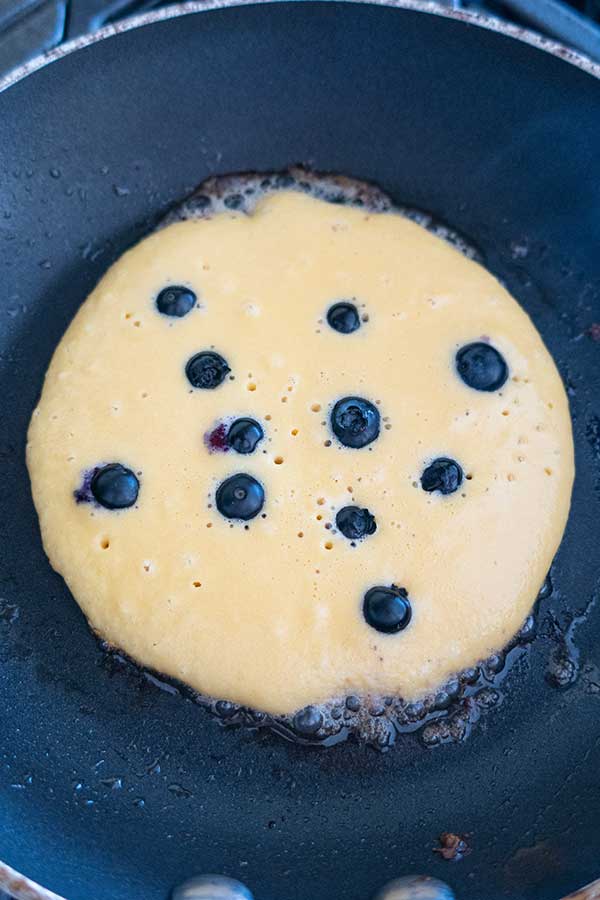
<point>17,884</point>
<point>191,7</point>
<point>22,888</point>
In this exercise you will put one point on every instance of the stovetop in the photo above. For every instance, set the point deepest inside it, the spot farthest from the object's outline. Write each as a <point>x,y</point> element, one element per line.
<point>31,27</point>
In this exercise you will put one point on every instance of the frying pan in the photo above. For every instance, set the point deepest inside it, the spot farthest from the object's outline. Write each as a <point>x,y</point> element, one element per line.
<point>112,788</point>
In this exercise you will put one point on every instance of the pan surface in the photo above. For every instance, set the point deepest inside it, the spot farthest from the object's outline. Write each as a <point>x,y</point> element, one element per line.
<point>113,788</point>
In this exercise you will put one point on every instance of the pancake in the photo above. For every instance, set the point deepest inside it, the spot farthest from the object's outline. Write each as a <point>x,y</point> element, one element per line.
<point>297,446</point>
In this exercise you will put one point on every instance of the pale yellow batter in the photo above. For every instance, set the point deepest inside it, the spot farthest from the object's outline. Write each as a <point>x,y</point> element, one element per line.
<point>272,616</point>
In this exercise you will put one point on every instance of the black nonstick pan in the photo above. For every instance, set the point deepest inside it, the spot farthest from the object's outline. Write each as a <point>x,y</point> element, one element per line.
<point>114,789</point>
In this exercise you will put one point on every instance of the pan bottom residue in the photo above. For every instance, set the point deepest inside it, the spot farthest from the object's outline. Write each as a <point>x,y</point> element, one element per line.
<point>447,716</point>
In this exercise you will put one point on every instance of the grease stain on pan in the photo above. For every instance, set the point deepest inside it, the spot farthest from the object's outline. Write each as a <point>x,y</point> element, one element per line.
<point>564,663</point>
<point>444,717</point>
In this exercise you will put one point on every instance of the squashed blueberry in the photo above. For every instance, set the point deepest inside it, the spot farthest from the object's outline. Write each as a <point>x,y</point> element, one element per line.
<point>355,523</point>
<point>481,366</point>
<point>240,497</point>
<point>216,440</point>
<point>206,370</point>
<point>387,609</point>
<point>343,317</point>
<point>115,487</point>
<point>355,422</point>
<point>175,300</point>
<point>443,475</point>
<point>244,434</point>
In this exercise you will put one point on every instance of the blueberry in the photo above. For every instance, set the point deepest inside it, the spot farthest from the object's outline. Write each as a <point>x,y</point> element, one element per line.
<point>443,475</point>
<point>244,435</point>
<point>343,317</point>
<point>175,301</point>
<point>387,609</point>
<point>206,370</point>
<point>355,523</point>
<point>240,497</point>
<point>355,422</point>
<point>481,366</point>
<point>216,440</point>
<point>115,487</point>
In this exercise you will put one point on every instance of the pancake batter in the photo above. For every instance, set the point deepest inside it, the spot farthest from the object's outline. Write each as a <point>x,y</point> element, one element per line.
<point>302,453</point>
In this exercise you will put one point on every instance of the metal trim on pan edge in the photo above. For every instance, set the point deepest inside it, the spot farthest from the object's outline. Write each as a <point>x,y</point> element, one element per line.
<point>195,6</point>
<point>19,886</point>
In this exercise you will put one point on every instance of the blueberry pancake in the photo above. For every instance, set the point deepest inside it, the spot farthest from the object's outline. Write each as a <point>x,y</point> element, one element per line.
<point>296,446</point>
